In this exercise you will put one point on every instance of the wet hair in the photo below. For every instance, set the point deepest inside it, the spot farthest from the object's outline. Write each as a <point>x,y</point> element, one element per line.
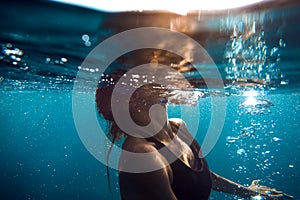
<point>139,104</point>
<point>103,101</point>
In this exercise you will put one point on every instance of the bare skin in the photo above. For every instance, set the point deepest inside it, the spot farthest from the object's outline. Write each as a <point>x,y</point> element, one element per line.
<point>158,184</point>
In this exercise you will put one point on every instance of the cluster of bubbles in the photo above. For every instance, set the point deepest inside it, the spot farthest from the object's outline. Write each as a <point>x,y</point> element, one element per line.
<point>86,39</point>
<point>249,60</point>
<point>256,106</point>
<point>60,61</point>
<point>54,75</point>
<point>253,136</point>
<point>27,69</point>
<point>251,143</point>
<point>20,71</point>
<point>252,68</point>
<point>13,56</point>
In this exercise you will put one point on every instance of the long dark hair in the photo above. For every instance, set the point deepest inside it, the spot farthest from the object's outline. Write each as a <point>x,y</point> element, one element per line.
<point>142,98</point>
<point>103,99</point>
<point>115,72</point>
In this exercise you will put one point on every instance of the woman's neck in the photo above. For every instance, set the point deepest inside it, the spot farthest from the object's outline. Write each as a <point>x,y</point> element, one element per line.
<point>165,135</point>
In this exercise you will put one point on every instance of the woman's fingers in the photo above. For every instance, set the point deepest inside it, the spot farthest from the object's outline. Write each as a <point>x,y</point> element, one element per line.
<point>269,192</point>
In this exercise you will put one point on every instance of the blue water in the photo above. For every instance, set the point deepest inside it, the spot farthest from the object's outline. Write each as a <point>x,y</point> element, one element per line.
<point>42,155</point>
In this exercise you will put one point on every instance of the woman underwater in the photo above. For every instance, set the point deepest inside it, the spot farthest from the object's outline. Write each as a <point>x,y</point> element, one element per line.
<point>185,177</point>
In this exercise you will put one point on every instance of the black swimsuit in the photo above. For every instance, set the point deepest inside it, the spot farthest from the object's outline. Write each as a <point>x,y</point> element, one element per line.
<point>188,183</point>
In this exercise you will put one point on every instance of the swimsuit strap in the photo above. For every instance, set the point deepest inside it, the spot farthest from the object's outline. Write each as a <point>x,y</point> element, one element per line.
<point>199,162</point>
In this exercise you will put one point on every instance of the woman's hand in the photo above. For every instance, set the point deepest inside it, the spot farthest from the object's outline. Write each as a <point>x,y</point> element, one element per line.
<point>266,192</point>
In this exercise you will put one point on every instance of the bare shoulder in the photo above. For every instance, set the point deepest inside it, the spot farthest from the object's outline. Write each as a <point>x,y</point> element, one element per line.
<point>137,186</point>
<point>177,121</point>
<point>140,155</point>
<point>179,125</point>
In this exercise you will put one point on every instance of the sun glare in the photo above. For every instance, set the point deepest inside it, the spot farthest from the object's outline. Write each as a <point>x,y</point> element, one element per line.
<point>176,6</point>
<point>251,101</point>
<point>250,93</point>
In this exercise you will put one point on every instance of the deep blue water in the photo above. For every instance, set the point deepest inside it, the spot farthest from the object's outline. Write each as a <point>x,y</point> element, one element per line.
<point>41,152</point>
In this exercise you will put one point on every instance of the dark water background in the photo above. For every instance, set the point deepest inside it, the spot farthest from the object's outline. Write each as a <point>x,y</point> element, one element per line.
<point>43,45</point>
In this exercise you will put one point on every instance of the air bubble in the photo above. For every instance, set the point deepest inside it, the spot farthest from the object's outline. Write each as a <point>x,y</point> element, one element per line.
<point>231,140</point>
<point>241,151</point>
<point>282,43</point>
<point>284,82</point>
<point>276,139</point>
<point>274,52</point>
<point>87,43</point>
<point>64,59</point>
<point>47,60</point>
<point>85,37</point>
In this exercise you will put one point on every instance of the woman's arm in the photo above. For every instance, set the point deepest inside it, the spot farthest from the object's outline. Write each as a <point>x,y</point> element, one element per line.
<point>222,184</point>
